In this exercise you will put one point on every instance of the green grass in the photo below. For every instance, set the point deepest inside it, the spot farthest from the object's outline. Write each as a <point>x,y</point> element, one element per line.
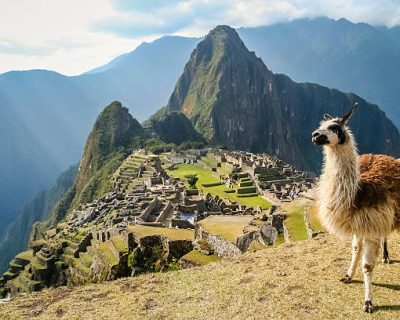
<point>36,264</point>
<point>314,220</point>
<point>224,170</point>
<point>210,161</point>
<point>170,233</point>
<point>78,264</point>
<point>107,253</point>
<point>198,258</point>
<point>26,255</point>
<point>207,176</point>
<point>86,259</point>
<point>16,265</point>
<point>119,244</point>
<point>256,246</point>
<point>23,282</point>
<point>228,227</point>
<point>295,221</point>
<point>8,273</point>
<point>280,239</point>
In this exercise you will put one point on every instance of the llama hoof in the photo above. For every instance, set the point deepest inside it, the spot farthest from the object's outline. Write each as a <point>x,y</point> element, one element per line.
<point>346,279</point>
<point>368,308</point>
<point>386,260</point>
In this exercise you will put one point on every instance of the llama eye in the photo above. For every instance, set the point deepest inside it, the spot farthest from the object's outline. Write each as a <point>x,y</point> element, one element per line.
<point>334,127</point>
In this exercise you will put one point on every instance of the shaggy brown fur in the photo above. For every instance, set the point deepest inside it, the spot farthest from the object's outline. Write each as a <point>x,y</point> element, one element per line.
<point>380,180</point>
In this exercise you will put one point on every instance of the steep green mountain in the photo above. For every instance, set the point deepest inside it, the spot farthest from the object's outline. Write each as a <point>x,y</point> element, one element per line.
<point>106,147</point>
<point>233,99</point>
<point>15,238</point>
<point>172,127</point>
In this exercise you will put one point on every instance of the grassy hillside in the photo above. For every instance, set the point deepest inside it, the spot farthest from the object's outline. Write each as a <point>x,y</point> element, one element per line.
<point>295,281</point>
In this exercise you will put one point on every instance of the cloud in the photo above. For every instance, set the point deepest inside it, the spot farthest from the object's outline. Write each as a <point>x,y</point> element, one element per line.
<point>143,18</point>
<point>56,35</point>
<point>142,5</point>
<point>15,48</point>
<point>140,24</point>
<point>196,17</point>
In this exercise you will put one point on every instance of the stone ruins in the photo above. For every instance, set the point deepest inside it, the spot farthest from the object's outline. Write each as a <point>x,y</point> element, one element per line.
<point>152,220</point>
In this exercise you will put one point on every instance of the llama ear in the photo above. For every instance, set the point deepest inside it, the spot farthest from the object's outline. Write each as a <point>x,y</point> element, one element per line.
<point>347,116</point>
<point>327,117</point>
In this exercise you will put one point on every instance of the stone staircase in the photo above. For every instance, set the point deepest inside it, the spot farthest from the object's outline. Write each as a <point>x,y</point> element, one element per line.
<point>127,176</point>
<point>134,171</point>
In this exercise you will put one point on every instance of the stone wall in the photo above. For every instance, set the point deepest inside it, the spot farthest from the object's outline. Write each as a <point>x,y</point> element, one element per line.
<point>286,233</point>
<point>222,247</point>
<point>310,232</point>
<point>168,210</point>
<point>152,206</point>
<point>181,224</point>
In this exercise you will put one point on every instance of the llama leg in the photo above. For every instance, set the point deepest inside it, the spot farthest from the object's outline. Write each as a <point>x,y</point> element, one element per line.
<point>355,257</point>
<point>385,258</point>
<point>370,255</point>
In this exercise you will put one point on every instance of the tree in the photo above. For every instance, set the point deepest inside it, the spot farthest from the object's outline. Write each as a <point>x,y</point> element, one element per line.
<point>192,180</point>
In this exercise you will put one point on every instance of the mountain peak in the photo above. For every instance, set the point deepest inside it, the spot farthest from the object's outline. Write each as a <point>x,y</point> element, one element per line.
<point>225,36</point>
<point>208,69</point>
<point>223,30</point>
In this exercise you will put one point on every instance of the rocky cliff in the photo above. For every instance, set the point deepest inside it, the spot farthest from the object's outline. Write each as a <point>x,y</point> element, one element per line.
<point>233,99</point>
<point>172,127</point>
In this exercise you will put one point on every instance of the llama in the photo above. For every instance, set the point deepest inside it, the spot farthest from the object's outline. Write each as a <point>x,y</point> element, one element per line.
<point>358,196</point>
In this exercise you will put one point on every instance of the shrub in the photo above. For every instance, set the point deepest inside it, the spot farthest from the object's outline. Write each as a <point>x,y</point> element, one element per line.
<point>192,180</point>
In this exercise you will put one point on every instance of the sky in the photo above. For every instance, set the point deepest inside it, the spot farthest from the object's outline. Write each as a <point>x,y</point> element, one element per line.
<point>74,36</point>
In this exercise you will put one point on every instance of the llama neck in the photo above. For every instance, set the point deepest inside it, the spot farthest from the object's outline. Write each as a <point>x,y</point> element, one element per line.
<point>340,175</point>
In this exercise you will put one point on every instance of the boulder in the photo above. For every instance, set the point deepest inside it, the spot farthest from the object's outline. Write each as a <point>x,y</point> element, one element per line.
<point>277,221</point>
<point>268,234</point>
<point>244,241</point>
<point>178,248</point>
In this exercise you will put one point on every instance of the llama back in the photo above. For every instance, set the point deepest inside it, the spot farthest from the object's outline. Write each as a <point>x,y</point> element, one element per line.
<point>379,184</point>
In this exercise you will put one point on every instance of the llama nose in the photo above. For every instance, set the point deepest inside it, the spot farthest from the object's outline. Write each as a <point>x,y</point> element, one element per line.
<point>315,134</point>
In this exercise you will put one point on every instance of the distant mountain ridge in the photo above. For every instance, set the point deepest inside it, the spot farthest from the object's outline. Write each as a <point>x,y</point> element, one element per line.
<point>15,238</point>
<point>351,57</point>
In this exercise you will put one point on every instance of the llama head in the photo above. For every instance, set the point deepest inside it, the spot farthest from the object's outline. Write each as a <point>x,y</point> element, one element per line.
<point>333,131</point>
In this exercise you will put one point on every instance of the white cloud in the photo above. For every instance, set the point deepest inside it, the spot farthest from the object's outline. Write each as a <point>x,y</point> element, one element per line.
<point>74,36</point>
<point>60,30</point>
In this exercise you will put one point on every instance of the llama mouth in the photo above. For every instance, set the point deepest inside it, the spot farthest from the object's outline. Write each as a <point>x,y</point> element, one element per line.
<point>320,140</point>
